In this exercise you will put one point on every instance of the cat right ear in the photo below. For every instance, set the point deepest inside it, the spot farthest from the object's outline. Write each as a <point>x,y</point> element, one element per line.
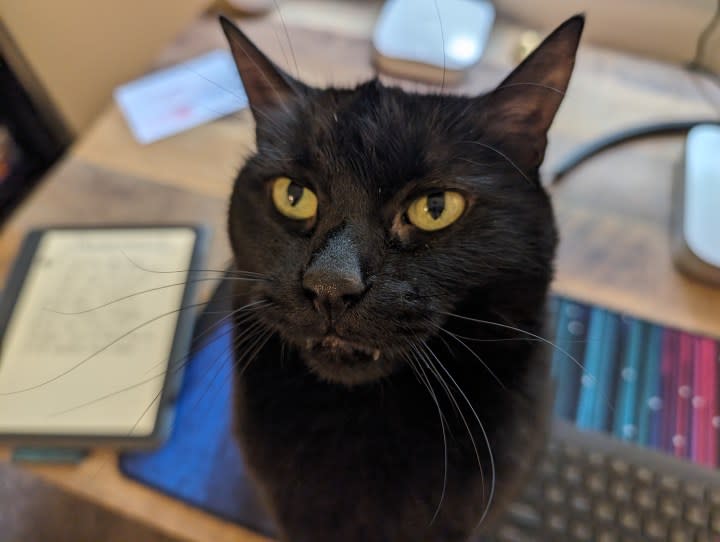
<point>266,85</point>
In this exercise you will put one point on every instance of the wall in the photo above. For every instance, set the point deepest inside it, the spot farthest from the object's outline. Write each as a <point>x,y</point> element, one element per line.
<point>666,29</point>
<point>80,50</point>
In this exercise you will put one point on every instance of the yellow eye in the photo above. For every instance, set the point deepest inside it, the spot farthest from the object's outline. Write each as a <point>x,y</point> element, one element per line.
<point>436,211</point>
<point>293,200</point>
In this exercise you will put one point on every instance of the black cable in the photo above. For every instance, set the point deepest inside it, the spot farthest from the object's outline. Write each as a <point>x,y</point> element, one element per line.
<point>695,64</point>
<point>613,140</point>
<point>649,130</point>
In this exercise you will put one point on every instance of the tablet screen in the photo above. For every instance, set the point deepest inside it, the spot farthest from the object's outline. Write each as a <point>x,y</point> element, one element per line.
<point>87,347</point>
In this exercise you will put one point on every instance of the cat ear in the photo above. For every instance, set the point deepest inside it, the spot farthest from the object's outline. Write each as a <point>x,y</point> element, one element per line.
<point>522,108</point>
<point>266,85</point>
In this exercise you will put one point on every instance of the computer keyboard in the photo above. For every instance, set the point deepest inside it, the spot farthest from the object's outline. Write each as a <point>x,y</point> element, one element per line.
<point>593,487</point>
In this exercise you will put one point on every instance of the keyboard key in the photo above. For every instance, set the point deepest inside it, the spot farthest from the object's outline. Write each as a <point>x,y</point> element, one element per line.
<point>715,522</point>
<point>645,499</point>
<point>548,469</point>
<point>580,503</point>
<point>670,507</point>
<point>533,492</point>
<point>630,520</point>
<point>694,491</point>
<point>620,491</point>
<point>681,533</point>
<point>555,494</point>
<point>572,475</point>
<point>596,459</point>
<point>697,515</point>
<point>604,511</point>
<point>714,497</point>
<point>573,453</point>
<point>669,483</point>
<point>557,522</point>
<point>525,515</point>
<point>580,531</point>
<point>655,528</point>
<point>596,483</point>
<point>607,536</point>
<point>644,475</point>
<point>508,533</point>
<point>620,468</point>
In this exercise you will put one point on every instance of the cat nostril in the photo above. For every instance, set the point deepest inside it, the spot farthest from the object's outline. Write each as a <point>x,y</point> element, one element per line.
<point>330,292</point>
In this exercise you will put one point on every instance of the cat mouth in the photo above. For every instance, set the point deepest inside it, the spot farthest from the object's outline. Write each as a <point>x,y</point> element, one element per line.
<point>340,346</point>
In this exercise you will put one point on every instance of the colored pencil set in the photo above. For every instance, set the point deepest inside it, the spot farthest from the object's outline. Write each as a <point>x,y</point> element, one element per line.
<point>642,382</point>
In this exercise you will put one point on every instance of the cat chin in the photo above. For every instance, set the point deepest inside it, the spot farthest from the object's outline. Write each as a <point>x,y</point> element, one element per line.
<point>347,369</point>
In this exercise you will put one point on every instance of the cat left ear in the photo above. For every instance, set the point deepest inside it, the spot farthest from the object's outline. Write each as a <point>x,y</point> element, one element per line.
<point>525,103</point>
<point>266,85</point>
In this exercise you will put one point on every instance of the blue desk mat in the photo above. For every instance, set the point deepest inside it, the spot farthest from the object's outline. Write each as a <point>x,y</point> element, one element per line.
<point>201,463</point>
<point>650,385</point>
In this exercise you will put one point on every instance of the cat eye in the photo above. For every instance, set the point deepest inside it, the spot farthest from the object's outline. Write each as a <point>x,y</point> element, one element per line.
<point>293,200</point>
<point>436,211</point>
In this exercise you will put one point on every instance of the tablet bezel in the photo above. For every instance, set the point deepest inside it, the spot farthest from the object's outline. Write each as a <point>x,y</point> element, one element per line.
<point>180,346</point>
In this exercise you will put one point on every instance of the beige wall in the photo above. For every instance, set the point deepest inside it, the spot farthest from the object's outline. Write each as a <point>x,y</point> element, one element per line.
<point>666,29</point>
<point>81,49</point>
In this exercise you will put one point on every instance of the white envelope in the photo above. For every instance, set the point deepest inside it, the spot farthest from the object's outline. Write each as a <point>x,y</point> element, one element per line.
<point>176,99</point>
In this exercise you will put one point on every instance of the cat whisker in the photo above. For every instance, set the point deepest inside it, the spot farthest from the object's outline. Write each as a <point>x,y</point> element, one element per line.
<point>474,354</point>
<point>536,337</point>
<point>265,338</point>
<point>158,395</point>
<point>504,157</point>
<point>142,292</point>
<point>451,397</point>
<point>485,436</point>
<point>101,350</point>
<point>248,334</point>
<point>422,378</point>
<point>240,98</point>
<point>538,85</point>
<point>287,36</point>
<point>519,330</point>
<point>250,307</point>
<point>282,47</point>
<point>224,272</point>
<point>173,367</point>
<point>442,37</point>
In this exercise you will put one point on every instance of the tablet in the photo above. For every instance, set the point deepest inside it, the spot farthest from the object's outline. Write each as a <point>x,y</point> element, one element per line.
<point>95,328</point>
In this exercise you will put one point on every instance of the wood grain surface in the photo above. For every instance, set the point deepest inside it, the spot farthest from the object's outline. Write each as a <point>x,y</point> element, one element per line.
<point>613,212</point>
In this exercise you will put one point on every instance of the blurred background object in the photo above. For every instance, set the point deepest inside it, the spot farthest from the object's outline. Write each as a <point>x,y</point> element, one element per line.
<point>59,62</point>
<point>62,60</point>
<point>664,29</point>
<point>31,137</point>
<point>247,7</point>
<point>80,50</point>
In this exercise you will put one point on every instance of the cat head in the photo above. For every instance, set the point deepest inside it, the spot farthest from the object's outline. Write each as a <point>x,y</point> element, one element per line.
<point>373,213</point>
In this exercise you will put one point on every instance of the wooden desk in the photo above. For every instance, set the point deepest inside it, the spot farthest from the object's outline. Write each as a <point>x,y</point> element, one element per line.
<point>613,212</point>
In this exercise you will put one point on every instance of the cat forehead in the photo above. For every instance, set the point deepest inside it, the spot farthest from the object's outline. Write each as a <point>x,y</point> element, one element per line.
<point>372,105</point>
<point>375,132</point>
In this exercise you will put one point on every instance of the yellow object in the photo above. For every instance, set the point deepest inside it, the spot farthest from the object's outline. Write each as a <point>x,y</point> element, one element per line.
<point>436,211</point>
<point>293,200</point>
<point>529,40</point>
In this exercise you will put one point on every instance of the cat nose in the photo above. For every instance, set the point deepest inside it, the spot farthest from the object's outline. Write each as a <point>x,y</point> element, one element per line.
<point>332,291</point>
<point>334,279</point>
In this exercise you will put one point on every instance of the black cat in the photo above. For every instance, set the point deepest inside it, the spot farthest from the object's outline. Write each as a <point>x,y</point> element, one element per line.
<point>389,385</point>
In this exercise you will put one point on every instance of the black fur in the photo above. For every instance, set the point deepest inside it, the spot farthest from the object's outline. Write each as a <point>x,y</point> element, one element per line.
<point>345,447</point>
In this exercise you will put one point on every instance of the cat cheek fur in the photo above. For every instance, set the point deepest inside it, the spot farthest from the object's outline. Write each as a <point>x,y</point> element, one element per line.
<point>380,340</point>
